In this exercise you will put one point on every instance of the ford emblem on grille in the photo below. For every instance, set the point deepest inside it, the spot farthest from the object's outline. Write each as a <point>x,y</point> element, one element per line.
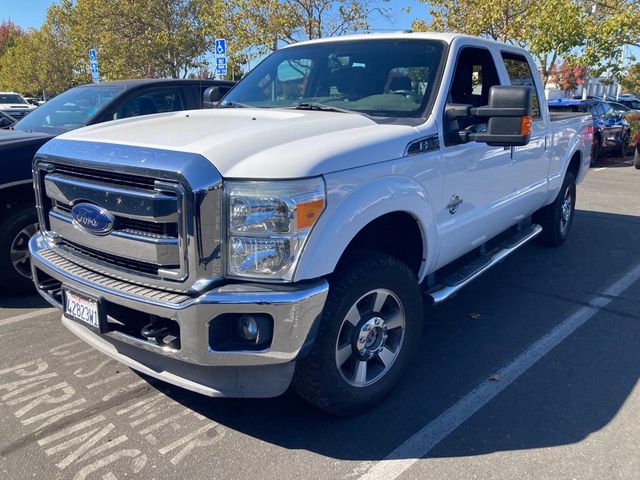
<point>92,218</point>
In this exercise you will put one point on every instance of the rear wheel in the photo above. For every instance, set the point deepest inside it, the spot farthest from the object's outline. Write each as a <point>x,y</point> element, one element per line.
<point>15,261</point>
<point>556,218</point>
<point>370,327</point>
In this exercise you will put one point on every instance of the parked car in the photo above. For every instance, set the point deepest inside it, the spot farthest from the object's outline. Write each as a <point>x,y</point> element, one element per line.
<point>630,102</point>
<point>77,107</point>
<point>15,105</point>
<point>621,108</point>
<point>34,101</point>
<point>636,152</point>
<point>611,131</point>
<point>6,121</point>
<point>285,236</point>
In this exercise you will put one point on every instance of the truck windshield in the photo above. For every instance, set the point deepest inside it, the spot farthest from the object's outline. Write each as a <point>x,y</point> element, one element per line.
<point>69,110</point>
<point>381,78</point>
<point>12,98</point>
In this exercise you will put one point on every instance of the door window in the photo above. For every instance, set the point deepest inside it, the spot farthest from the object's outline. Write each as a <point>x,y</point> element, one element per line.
<point>161,100</point>
<point>474,76</point>
<point>520,73</point>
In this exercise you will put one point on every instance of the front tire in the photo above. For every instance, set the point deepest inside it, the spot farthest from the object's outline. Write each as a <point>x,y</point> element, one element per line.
<point>15,262</point>
<point>557,217</point>
<point>369,330</point>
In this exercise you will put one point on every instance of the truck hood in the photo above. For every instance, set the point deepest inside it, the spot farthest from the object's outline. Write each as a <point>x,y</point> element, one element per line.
<point>16,106</point>
<point>261,143</point>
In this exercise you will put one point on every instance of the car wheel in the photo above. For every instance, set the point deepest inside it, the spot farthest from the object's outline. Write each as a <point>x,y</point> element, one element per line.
<point>624,146</point>
<point>15,261</point>
<point>595,150</point>
<point>369,330</point>
<point>557,217</point>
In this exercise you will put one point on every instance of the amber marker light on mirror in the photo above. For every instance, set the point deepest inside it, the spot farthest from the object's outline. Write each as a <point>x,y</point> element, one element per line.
<point>525,125</point>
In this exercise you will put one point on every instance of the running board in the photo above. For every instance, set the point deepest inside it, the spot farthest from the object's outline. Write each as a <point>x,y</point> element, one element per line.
<point>469,272</point>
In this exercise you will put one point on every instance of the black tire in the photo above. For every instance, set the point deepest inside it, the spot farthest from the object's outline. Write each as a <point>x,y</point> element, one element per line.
<point>552,218</point>
<point>623,150</point>
<point>318,377</point>
<point>636,157</point>
<point>15,230</point>
<point>595,150</point>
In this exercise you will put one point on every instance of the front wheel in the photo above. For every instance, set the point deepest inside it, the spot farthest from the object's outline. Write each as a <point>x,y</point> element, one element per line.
<point>556,218</point>
<point>369,329</point>
<point>15,261</point>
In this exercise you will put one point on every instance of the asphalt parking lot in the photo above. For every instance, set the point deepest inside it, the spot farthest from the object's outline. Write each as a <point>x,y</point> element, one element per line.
<point>531,372</point>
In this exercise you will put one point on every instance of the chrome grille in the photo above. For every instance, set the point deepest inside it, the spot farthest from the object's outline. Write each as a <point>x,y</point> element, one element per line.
<point>166,208</point>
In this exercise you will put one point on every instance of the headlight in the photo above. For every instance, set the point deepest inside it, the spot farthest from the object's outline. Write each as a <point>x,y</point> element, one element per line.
<point>269,223</point>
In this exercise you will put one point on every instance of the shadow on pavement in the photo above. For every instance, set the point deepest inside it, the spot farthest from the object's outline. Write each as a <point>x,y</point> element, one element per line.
<point>574,391</point>
<point>606,161</point>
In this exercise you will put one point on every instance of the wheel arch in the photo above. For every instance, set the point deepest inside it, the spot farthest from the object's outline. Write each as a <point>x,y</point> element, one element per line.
<point>17,193</point>
<point>392,215</point>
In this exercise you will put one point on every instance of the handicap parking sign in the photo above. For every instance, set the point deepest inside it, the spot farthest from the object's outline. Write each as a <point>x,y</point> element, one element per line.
<point>221,46</point>
<point>221,70</point>
<point>221,61</point>
<point>93,55</point>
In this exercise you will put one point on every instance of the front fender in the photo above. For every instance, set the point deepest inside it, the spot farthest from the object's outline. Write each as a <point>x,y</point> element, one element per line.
<point>351,205</point>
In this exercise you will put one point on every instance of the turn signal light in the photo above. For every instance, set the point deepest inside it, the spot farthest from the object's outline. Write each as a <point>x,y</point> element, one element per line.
<point>525,125</point>
<point>309,212</point>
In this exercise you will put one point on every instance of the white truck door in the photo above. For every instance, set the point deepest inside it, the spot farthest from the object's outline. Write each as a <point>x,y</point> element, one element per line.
<point>530,162</point>
<point>477,177</point>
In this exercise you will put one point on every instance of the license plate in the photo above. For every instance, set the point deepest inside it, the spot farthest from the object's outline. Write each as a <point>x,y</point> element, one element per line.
<point>82,309</point>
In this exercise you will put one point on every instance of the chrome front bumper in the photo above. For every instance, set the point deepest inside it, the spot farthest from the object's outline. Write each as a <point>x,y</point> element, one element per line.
<point>195,365</point>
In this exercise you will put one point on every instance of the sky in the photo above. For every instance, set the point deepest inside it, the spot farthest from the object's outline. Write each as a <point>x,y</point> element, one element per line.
<point>31,13</point>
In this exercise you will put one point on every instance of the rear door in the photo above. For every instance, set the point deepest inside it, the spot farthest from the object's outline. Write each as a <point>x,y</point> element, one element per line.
<point>530,163</point>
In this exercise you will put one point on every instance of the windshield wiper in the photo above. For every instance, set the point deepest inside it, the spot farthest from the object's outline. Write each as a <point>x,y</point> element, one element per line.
<point>232,104</point>
<point>326,108</point>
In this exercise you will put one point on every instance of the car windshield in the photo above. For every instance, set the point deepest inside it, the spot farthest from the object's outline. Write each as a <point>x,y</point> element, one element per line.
<point>69,110</point>
<point>383,78</point>
<point>11,98</point>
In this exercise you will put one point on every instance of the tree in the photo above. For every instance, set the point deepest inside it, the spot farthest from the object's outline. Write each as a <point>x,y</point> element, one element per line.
<point>134,38</point>
<point>549,29</point>
<point>631,81</point>
<point>9,34</point>
<point>568,76</point>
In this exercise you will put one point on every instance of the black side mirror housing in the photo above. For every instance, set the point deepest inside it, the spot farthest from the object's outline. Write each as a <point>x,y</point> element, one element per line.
<point>212,95</point>
<point>508,117</point>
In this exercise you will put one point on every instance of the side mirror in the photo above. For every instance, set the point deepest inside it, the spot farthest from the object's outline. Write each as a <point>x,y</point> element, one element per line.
<point>508,117</point>
<point>212,95</point>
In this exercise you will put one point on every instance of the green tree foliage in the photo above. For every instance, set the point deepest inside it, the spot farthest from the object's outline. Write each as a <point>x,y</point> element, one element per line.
<point>40,62</point>
<point>549,29</point>
<point>631,81</point>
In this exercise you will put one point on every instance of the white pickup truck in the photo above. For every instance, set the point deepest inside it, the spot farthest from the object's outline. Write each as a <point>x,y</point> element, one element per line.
<point>291,235</point>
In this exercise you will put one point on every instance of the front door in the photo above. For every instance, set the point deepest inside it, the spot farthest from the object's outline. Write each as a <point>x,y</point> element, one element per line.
<point>477,177</point>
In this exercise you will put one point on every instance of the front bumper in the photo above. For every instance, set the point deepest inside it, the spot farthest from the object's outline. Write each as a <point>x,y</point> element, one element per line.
<point>194,365</point>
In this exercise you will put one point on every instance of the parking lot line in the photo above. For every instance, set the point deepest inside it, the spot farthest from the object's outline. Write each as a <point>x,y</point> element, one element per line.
<point>421,443</point>
<point>43,312</point>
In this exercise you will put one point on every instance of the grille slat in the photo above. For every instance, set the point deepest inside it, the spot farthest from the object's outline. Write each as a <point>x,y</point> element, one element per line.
<point>108,177</point>
<point>133,226</point>
<point>132,265</point>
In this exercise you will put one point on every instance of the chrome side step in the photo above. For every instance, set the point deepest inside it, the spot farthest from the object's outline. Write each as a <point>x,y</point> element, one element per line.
<point>455,282</point>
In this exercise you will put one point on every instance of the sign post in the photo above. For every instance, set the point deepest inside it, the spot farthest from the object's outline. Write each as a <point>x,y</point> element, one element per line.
<point>93,64</point>
<point>221,56</point>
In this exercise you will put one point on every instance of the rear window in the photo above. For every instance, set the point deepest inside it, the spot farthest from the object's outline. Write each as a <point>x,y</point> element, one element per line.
<point>520,74</point>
